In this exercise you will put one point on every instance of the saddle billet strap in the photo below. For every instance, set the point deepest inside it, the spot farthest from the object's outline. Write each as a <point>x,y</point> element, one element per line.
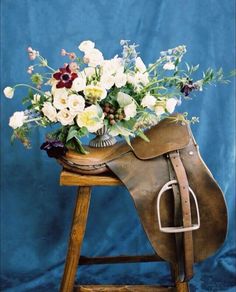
<point>180,274</point>
<point>186,212</point>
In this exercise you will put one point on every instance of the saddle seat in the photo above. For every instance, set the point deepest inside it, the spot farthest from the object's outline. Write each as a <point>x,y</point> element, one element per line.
<point>165,137</point>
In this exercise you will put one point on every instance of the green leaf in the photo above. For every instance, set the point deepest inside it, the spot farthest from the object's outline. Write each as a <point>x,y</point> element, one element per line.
<point>80,146</point>
<point>127,139</point>
<point>141,134</point>
<point>71,133</point>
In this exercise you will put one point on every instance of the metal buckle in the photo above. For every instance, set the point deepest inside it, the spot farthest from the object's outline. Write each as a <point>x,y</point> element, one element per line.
<point>168,229</point>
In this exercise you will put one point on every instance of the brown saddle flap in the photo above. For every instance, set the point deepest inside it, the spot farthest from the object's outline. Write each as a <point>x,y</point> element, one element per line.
<point>166,136</point>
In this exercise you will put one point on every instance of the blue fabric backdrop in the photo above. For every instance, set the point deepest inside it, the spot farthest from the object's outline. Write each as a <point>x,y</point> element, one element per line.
<point>35,211</point>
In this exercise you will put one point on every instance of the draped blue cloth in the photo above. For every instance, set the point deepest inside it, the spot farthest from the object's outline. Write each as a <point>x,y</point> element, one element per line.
<point>35,211</point>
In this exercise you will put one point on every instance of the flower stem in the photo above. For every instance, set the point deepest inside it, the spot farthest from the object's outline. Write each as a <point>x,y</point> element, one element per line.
<point>29,86</point>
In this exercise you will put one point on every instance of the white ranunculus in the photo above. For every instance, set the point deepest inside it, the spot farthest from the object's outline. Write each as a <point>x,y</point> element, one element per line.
<point>8,91</point>
<point>60,98</point>
<point>90,118</point>
<point>107,81</point>
<point>148,101</point>
<point>49,111</point>
<point>124,99</point>
<point>171,104</point>
<point>94,57</point>
<point>86,46</point>
<point>159,110</point>
<point>140,65</point>
<point>65,117</point>
<point>79,83</point>
<point>130,111</point>
<point>120,80</point>
<point>76,103</point>
<point>169,66</point>
<point>17,120</point>
<point>95,92</point>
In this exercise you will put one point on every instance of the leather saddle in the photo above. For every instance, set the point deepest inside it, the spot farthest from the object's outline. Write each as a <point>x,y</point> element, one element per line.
<point>180,205</point>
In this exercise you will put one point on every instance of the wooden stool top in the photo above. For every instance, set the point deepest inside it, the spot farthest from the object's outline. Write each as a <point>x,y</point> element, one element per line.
<point>68,178</point>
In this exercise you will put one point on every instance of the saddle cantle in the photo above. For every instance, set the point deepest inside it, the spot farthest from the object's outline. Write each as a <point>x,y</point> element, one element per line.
<point>146,170</point>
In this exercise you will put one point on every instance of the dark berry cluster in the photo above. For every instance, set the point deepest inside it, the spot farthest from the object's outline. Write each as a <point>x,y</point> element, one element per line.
<point>112,114</point>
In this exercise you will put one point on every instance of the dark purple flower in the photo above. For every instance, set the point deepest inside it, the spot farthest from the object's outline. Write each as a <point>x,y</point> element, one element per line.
<point>54,148</point>
<point>187,88</point>
<point>65,77</point>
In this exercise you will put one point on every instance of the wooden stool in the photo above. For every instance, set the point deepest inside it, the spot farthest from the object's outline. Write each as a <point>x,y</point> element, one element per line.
<point>73,259</point>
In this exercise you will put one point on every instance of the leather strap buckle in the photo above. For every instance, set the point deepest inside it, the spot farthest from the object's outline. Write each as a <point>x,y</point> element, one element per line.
<point>173,229</point>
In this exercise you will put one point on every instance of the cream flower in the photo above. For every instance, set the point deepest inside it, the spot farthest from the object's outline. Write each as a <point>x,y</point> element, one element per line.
<point>140,65</point>
<point>169,66</point>
<point>142,78</point>
<point>17,120</point>
<point>94,57</point>
<point>148,101</point>
<point>159,110</point>
<point>107,81</point>
<point>8,91</point>
<point>65,117</point>
<point>79,83</point>
<point>91,118</point>
<point>36,98</point>
<point>113,66</point>
<point>86,46</point>
<point>120,80</point>
<point>76,103</point>
<point>60,98</point>
<point>124,99</point>
<point>171,104</point>
<point>49,111</point>
<point>95,92</point>
<point>130,111</point>
<point>89,71</point>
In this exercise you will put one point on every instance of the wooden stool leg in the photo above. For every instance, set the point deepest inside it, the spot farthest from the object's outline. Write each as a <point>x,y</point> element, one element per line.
<point>76,238</point>
<point>180,286</point>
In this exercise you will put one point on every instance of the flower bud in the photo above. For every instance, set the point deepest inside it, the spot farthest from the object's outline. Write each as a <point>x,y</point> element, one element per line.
<point>8,91</point>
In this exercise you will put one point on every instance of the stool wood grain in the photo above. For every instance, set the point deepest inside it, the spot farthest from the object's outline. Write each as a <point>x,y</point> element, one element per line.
<point>73,259</point>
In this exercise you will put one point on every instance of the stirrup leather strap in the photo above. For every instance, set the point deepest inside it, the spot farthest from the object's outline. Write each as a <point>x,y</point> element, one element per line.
<point>186,212</point>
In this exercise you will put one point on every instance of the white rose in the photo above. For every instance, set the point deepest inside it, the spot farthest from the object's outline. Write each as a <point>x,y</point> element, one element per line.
<point>170,104</point>
<point>17,120</point>
<point>60,98</point>
<point>8,91</point>
<point>86,46</point>
<point>159,110</point>
<point>130,111</point>
<point>65,117</point>
<point>107,81</point>
<point>90,118</point>
<point>49,111</point>
<point>140,65</point>
<point>148,101</point>
<point>169,66</point>
<point>120,80</point>
<point>76,103</point>
<point>94,57</point>
<point>79,83</point>
<point>124,99</point>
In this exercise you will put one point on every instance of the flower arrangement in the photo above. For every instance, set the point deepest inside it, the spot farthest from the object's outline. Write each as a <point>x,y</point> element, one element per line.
<point>90,92</point>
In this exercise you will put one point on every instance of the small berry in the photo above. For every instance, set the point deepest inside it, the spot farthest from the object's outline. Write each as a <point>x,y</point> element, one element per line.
<point>112,122</point>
